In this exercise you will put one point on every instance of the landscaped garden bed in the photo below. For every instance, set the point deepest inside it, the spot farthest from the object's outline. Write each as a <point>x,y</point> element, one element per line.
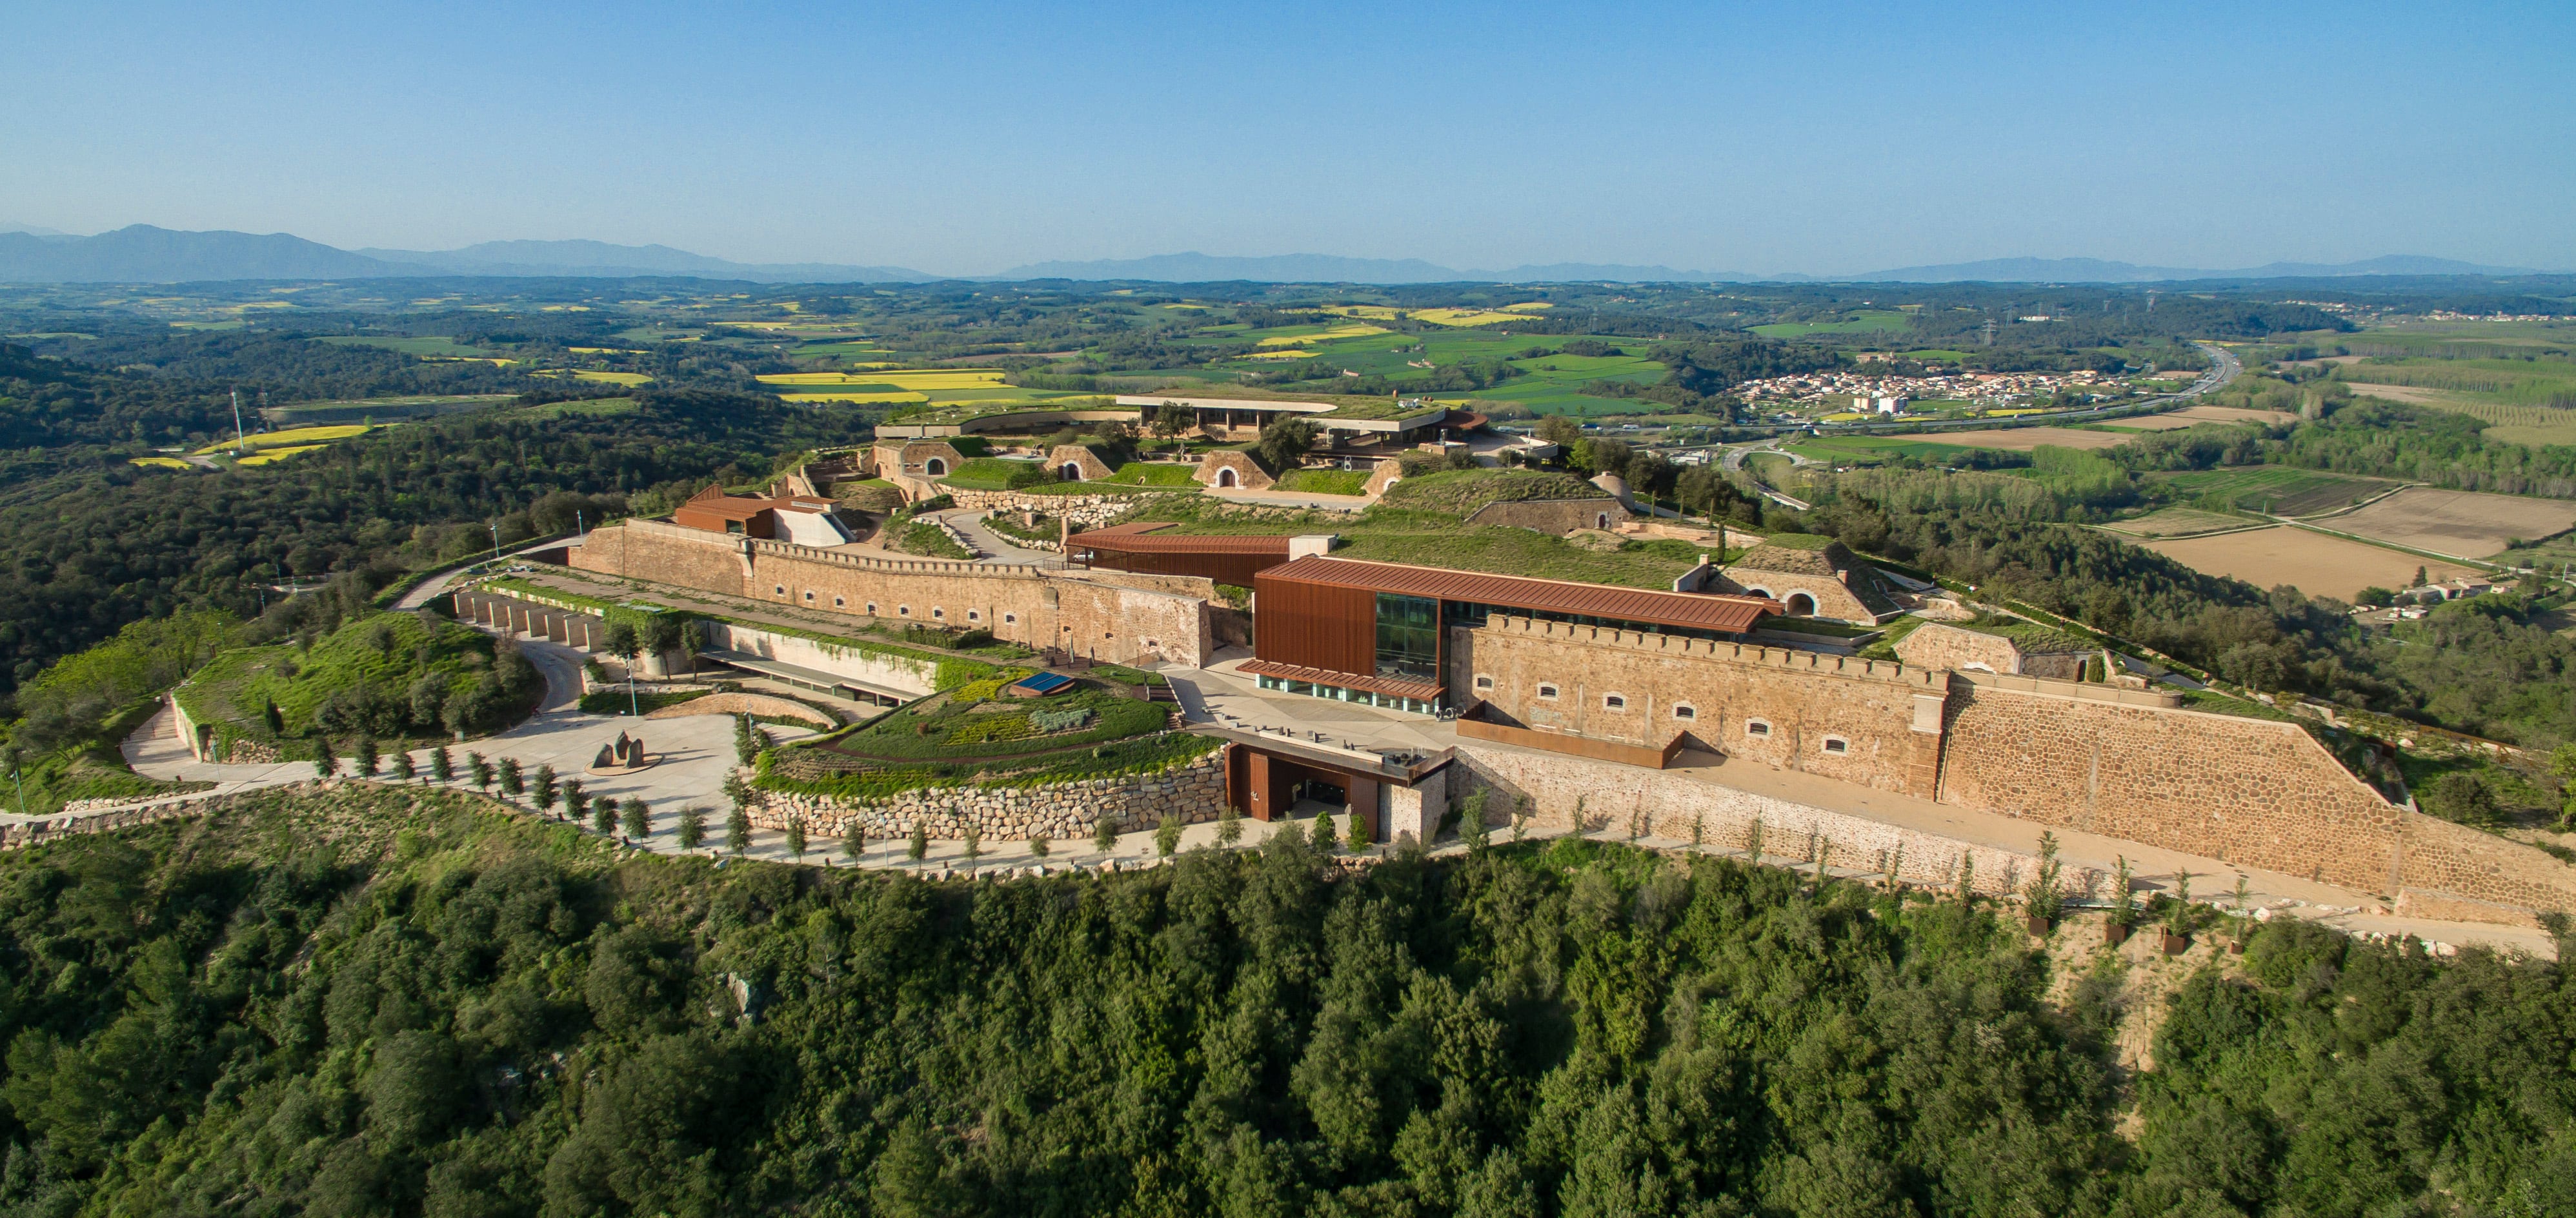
<point>979,733</point>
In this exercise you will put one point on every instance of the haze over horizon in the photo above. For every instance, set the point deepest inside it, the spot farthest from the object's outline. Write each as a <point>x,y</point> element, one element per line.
<point>973,139</point>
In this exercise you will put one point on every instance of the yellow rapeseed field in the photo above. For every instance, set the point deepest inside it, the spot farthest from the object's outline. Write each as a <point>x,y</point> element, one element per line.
<point>1283,353</point>
<point>1372,312</point>
<point>613,378</point>
<point>1299,340</point>
<point>861,396</point>
<point>290,437</point>
<point>917,379</point>
<point>267,455</point>
<point>161,462</point>
<point>1465,317</point>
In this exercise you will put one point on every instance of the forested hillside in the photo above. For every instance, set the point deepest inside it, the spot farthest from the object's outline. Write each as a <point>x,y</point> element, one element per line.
<point>372,1001</point>
<point>87,550</point>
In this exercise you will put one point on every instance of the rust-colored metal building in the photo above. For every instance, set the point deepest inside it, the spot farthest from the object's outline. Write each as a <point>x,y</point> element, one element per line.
<point>1375,632</point>
<point>1144,548</point>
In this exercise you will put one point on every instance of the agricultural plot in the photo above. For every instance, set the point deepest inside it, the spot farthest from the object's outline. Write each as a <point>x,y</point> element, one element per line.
<point>2462,523</point>
<point>1866,321</point>
<point>903,387</point>
<point>2536,425</point>
<point>2507,382</point>
<point>2175,522</point>
<point>289,438</point>
<point>2024,439</point>
<point>268,456</point>
<point>2311,562</point>
<point>599,375</point>
<point>2194,416</point>
<point>1870,450</point>
<point>365,410</point>
<point>2277,490</point>
<point>1466,317</point>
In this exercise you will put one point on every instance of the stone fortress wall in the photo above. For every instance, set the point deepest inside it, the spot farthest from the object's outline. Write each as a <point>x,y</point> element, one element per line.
<point>1104,615</point>
<point>2100,759</point>
<point>1782,707</point>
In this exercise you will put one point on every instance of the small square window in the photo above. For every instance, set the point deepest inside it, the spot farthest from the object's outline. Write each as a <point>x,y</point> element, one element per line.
<point>974,615</point>
<point>1484,682</point>
<point>872,608</point>
<point>1547,692</point>
<point>1009,618</point>
<point>1837,745</point>
<point>903,611</point>
<point>1684,710</point>
<point>1756,727</point>
<point>809,595</point>
<point>937,612</point>
<point>778,590</point>
<point>1617,702</point>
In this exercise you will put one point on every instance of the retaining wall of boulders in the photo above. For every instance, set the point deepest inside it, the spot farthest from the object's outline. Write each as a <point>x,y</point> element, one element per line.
<point>1062,811</point>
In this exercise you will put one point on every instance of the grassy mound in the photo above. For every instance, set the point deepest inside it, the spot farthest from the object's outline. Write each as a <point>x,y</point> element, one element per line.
<point>973,733</point>
<point>390,676</point>
<point>1462,491</point>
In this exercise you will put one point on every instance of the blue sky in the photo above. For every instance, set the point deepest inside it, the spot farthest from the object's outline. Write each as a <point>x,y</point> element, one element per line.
<point>967,138</point>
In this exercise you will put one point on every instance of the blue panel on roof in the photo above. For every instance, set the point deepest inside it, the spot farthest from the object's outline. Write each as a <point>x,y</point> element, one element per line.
<point>1043,683</point>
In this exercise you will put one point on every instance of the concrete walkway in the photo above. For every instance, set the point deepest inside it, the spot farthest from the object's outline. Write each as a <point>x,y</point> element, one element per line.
<point>997,546</point>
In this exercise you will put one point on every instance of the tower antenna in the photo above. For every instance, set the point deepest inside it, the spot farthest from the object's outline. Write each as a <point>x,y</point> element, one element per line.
<point>237,427</point>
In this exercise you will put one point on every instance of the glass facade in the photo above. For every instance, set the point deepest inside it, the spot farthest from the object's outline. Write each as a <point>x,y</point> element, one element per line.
<point>1408,637</point>
<point>1317,689</point>
<point>1469,613</point>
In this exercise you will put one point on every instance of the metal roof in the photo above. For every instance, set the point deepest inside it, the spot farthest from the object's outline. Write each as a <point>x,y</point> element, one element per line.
<point>1727,614</point>
<point>1173,543</point>
<point>1421,691</point>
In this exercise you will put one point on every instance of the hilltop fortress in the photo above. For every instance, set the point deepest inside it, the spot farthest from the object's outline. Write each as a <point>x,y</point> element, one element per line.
<point>1582,704</point>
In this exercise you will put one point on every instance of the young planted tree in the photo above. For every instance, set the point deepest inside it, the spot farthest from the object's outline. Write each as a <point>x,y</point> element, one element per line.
<point>737,791</point>
<point>1104,835</point>
<point>1040,843</point>
<point>1471,821</point>
<point>796,837</point>
<point>576,801</point>
<point>324,764</point>
<point>973,839</point>
<point>639,819</point>
<point>367,757</point>
<point>738,831</point>
<point>603,815</point>
<point>854,840</point>
<point>1356,839</point>
<point>480,769</point>
<point>2045,898</point>
<point>918,847</point>
<point>513,782</point>
<point>442,764</point>
<point>693,827</point>
<point>402,765</point>
<point>1229,825</point>
<point>1167,836</point>
<point>1322,833</point>
<point>543,788</point>
<point>745,750</point>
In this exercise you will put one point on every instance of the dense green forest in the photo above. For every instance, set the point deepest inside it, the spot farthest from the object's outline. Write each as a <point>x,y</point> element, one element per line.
<point>88,550</point>
<point>380,1001</point>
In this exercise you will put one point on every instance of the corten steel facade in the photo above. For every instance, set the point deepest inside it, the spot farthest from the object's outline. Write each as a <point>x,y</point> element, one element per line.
<point>1227,560</point>
<point>1383,626</point>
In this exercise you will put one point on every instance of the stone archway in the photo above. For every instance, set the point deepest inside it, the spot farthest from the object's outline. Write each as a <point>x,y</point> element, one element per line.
<point>1072,471</point>
<point>1801,605</point>
<point>1225,478</point>
<point>935,466</point>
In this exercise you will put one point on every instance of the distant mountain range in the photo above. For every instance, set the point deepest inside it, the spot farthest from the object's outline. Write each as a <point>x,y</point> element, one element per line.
<point>142,253</point>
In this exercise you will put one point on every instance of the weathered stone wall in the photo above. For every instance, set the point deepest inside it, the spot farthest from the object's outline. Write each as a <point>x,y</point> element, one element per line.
<point>2440,862</point>
<point>1062,811</point>
<point>895,672</point>
<point>1933,645</point>
<point>1085,511</point>
<point>1116,619</point>
<point>1832,597</point>
<point>2248,791</point>
<point>1551,515</point>
<point>665,553</point>
<point>1886,715</point>
<point>1571,792</point>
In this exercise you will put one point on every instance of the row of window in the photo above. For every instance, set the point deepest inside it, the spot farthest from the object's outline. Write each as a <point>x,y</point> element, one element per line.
<point>937,613</point>
<point>1759,729</point>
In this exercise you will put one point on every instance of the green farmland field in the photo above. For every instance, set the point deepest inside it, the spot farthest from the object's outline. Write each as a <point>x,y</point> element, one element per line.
<point>1870,450</point>
<point>2277,489</point>
<point>1866,321</point>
